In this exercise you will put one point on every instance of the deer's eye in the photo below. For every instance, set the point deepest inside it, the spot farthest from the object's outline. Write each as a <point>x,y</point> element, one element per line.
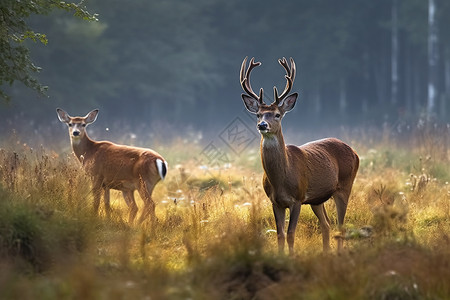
<point>258,116</point>
<point>70,124</point>
<point>277,116</point>
<point>84,125</point>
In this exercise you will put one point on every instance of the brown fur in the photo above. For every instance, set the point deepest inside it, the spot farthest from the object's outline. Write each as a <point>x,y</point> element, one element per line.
<point>113,166</point>
<point>293,176</point>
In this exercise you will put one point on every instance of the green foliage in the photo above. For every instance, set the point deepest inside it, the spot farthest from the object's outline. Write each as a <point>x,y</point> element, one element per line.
<point>34,237</point>
<point>15,61</point>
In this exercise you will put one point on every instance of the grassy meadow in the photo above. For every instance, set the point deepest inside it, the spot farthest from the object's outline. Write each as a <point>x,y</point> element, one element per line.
<point>215,232</point>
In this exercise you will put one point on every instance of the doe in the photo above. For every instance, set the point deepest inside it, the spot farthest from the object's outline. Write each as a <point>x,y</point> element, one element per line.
<point>297,175</point>
<point>113,166</point>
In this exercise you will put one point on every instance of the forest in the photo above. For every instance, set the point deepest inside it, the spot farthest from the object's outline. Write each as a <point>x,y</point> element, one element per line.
<point>164,74</point>
<point>360,63</point>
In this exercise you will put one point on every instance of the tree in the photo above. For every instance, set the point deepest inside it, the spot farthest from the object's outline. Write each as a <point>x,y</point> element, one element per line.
<point>432,59</point>
<point>394,53</point>
<point>15,61</point>
<point>172,63</point>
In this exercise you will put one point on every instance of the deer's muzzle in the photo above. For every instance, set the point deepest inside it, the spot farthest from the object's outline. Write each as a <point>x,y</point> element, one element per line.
<point>263,126</point>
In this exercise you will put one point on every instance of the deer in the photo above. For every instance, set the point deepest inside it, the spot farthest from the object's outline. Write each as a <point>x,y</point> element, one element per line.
<point>310,174</point>
<point>113,166</point>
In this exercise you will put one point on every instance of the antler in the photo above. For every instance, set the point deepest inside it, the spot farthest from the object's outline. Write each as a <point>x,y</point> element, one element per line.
<point>245,79</point>
<point>290,76</point>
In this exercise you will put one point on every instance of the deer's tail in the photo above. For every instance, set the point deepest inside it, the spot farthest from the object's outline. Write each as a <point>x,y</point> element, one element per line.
<point>161,165</point>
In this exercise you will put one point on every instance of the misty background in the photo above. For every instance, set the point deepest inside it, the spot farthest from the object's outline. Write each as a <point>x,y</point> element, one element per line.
<point>171,68</point>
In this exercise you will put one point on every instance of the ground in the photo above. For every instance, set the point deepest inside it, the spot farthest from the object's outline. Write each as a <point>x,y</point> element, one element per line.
<point>215,237</point>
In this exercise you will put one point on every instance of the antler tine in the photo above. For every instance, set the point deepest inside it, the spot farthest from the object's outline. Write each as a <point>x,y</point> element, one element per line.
<point>290,76</point>
<point>243,65</point>
<point>245,79</point>
<point>293,70</point>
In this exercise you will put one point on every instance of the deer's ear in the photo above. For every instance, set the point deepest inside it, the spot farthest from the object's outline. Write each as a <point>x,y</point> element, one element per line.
<point>289,102</point>
<point>251,104</point>
<point>91,117</point>
<point>63,116</point>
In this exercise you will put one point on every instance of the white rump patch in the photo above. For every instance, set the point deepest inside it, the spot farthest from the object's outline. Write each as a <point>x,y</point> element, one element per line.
<point>162,168</point>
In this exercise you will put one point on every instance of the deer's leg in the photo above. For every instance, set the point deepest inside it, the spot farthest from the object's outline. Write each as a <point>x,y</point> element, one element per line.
<point>280,217</point>
<point>341,200</point>
<point>106,200</point>
<point>319,211</point>
<point>294,213</point>
<point>131,203</point>
<point>97,191</point>
<point>145,191</point>
<point>126,197</point>
<point>147,210</point>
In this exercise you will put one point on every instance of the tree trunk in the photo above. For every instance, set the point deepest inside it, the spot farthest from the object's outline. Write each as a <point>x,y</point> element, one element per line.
<point>418,89</point>
<point>408,75</point>
<point>432,59</point>
<point>446,97</point>
<point>380,73</point>
<point>366,78</point>
<point>394,54</point>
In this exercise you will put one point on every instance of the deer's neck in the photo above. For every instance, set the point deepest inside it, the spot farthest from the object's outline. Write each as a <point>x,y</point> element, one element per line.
<point>274,158</point>
<point>82,147</point>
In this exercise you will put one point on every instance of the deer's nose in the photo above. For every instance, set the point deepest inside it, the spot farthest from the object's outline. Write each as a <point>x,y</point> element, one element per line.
<point>76,133</point>
<point>262,126</point>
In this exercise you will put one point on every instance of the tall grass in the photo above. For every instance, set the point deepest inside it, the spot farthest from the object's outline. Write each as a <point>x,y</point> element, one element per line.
<point>214,237</point>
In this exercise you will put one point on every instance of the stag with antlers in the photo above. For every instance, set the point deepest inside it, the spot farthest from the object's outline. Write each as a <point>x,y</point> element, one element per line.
<point>296,175</point>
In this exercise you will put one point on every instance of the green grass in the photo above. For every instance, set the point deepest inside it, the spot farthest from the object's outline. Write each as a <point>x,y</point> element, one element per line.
<point>214,238</point>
